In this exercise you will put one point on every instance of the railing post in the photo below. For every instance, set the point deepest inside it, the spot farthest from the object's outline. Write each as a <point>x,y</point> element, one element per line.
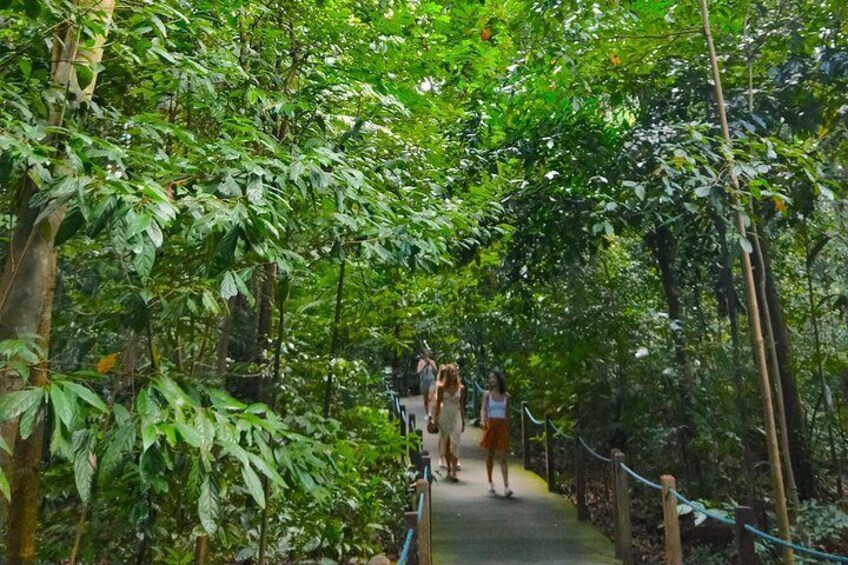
<point>671,523</point>
<point>550,474</point>
<point>622,492</point>
<point>424,531</point>
<point>402,416</point>
<point>580,478</point>
<point>410,520</point>
<point>525,436</point>
<point>613,472</point>
<point>416,451</point>
<point>745,539</point>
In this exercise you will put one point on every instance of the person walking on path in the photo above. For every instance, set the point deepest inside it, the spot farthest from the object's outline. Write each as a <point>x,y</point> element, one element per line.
<point>426,379</point>
<point>440,378</point>
<point>449,414</point>
<point>494,417</point>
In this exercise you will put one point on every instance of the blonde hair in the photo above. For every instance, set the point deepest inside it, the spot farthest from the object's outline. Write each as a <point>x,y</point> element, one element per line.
<point>449,376</point>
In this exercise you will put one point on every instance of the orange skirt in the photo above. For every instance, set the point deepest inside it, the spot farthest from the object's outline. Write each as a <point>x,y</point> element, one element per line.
<point>497,435</point>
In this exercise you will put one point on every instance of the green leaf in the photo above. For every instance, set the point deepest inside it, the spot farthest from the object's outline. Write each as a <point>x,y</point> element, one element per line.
<point>83,471</point>
<point>13,404</point>
<point>229,288</point>
<point>4,485</point>
<point>254,485</point>
<point>28,420</point>
<point>148,435</point>
<point>84,75</point>
<point>71,225</point>
<point>207,506</point>
<point>191,435</point>
<point>85,394</point>
<point>65,409</point>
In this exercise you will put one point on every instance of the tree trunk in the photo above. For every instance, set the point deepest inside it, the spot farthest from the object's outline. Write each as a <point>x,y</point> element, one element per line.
<point>664,247</point>
<point>29,276</point>
<point>802,464</point>
<point>753,307</point>
<point>334,344</point>
<point>732,309</point>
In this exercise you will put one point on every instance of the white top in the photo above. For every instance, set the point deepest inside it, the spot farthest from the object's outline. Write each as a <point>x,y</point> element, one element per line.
<point>496,408</point>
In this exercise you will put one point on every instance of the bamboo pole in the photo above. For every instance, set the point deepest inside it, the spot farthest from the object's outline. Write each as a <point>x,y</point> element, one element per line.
<point>753,308</point>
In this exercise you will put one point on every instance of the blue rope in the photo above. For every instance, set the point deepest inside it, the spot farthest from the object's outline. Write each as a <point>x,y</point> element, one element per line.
<point>796,547</point>
<point>594,453</point>
<point>639,478</point>
<point>701,509</point>
<point>559,432</point>
<point>420,507</point>
<point>532,419</point>
<point>407,545</point>
<point>479,388</point>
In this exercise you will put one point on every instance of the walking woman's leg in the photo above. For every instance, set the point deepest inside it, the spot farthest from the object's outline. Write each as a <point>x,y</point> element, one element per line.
<point>490,464</point>
<point>448,456</point>
<point>504,468</point>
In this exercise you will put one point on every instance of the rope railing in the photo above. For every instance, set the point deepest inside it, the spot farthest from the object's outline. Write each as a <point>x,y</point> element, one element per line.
<point>532,418</point>
<point>699,508</point>
<point>594,453</point>
<point>639,478</point>
<point>620,499</point>
<point>407,546</point>
<point>417,522</point>
<point>794,546</point>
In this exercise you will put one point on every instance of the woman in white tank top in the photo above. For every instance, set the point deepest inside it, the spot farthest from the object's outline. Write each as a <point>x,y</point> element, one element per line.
<point>494,417</point>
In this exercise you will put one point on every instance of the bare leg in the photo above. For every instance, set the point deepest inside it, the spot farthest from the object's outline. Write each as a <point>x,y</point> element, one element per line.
<point>490,464</point>
<point>504,470</point>
<point>448,457</point>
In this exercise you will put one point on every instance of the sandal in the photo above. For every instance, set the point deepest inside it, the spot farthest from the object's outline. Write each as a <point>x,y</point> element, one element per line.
<point>508,493</point>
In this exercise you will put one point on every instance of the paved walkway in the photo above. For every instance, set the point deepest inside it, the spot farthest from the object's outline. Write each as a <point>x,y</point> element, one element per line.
<point>471,526</point>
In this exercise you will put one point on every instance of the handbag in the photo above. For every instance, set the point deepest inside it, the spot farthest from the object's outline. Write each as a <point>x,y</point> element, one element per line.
<point>432,427</point>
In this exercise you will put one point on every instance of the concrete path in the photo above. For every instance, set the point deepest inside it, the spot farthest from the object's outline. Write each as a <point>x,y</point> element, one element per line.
<point>471,526</point>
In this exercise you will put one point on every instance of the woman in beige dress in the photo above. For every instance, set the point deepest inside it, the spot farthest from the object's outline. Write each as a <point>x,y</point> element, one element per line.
<point>449,414</point>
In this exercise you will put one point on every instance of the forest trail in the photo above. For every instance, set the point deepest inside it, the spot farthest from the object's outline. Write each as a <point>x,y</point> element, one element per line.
<point>470,526</point>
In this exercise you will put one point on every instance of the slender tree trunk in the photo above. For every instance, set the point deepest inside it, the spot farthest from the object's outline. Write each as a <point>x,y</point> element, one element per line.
<point>774,366</point>
<point>334,344</point>
<point>754,311</point>
<point>28,277</point>
<point>664,246</point>
<point>828,404</point>
<point>732,307</point>
<point>800,453</point>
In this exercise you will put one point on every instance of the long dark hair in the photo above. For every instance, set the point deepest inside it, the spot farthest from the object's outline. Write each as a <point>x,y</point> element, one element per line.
<point>501,381</point>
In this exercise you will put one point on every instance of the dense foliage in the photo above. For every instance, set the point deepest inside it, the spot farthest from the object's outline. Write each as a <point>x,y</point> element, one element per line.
<point>221,219</point>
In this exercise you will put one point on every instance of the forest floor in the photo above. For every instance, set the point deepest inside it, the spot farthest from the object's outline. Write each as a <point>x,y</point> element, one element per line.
<point>471,526</point>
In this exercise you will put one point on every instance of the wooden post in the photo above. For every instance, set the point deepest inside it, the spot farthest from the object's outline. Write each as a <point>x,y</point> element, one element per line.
<point>622,491</point>
<point>613,472</point>
<point>550,474</point>
<point>402,415</point>
<point>671,523</point>
<point>200,549</point>
<point>424,533</point>
<point>417,451</point>
<point>410,520</point>
<point>580,479</point>
<point>525,435</point>
<point>745,539</point>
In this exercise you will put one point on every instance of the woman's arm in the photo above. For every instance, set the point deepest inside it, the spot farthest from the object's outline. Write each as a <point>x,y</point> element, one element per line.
<point>462,398</point>
<point>484,410</point>
<point>438,409</point>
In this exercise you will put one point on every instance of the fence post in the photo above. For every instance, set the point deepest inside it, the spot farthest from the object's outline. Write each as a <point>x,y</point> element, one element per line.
<point>613,473</point>
<point>744,538</point>
<point>200,549</point>
<point>580,478</point>
<point>622,492</point>
<point>402,416</point>
<point>424,531</point>
<point>416,452</point>
<point>410,521</point>
<point>525,436</point>
<point>671,523</point>
<point>549,454</point>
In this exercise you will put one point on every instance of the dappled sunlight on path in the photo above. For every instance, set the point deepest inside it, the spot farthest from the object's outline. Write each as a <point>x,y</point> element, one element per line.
<point>471,526</point>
